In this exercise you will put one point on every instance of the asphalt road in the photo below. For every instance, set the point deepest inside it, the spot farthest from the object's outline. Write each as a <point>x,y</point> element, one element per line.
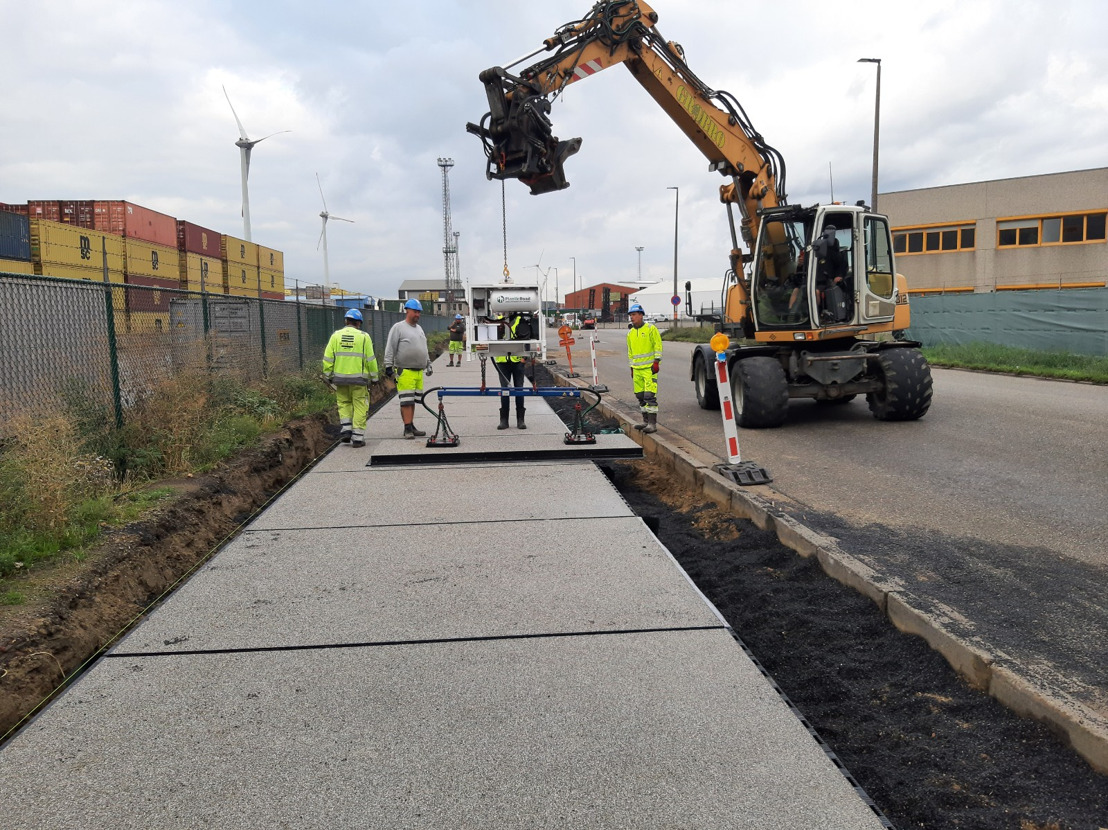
<point>993,506</point>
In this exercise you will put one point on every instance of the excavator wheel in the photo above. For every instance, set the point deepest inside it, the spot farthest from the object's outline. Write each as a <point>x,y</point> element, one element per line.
<point>907,385</point>
<point>761,392</point>
<point>707,395</point>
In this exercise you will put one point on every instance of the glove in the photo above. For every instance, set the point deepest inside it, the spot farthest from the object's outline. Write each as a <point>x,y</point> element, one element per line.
<point>656,366</point>
<point>390,372</point>
<point>430,371</point>
<point>374,378</point>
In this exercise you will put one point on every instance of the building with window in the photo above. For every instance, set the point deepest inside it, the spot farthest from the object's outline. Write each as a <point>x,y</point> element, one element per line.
<point>604,299</point>
<point>434,297</point>
<point>1034,232</point>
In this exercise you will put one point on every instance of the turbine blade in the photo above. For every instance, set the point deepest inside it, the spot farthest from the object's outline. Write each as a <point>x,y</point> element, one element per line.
<point>242,129</point>
<point>339,218</point>
<point>321,196</point>
<point>264,137</point>
<point>321,233</point>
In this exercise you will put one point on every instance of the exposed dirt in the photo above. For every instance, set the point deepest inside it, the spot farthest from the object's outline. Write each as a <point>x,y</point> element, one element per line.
<point>76,608</point>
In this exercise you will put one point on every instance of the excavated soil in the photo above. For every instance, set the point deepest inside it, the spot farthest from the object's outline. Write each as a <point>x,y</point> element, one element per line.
<point>931,751</point>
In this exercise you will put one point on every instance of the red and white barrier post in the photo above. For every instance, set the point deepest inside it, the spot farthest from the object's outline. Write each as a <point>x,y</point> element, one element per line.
<point>595,372</point>
<point>739,471</point>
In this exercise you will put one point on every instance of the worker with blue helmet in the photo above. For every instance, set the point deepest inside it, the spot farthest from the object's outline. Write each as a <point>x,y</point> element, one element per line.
<point>457,331</point>
<point>406,360</point>
<point>644,353</point>
<point>349,366</point>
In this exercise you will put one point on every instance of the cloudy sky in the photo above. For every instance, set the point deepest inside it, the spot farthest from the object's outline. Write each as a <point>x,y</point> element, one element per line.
<point>125,101</point>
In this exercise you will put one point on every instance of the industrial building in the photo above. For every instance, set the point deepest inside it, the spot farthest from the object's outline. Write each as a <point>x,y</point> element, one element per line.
<point>1031,232</point>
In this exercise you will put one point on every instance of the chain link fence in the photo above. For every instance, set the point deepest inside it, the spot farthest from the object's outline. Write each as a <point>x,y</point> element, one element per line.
<point>112,344</point>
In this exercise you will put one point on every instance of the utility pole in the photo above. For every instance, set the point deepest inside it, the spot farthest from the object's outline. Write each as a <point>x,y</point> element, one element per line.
<point>449,240</point>
<point>639,248</point>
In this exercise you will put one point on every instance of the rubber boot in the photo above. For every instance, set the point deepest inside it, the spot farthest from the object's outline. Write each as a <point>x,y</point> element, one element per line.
<point>344,436</point>
<point>503,421</point>
<point>519,420</point>
<point>651,423</point>
<point>645,421</point>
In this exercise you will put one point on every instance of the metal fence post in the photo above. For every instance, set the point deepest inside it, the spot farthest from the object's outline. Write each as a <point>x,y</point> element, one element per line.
<point>261,323</point>
<point>113,351</point>
<point>299,331</point>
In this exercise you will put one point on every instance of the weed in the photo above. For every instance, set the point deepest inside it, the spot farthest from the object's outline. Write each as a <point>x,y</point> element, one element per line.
<point>12,597</point>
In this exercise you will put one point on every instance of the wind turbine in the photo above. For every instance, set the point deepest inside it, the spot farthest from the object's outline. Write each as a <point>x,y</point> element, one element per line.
<point>245,145</point>
<point>324,215</point>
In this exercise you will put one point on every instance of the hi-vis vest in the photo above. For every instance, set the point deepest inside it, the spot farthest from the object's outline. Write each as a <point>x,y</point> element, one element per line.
<point>511,336</point>
<point>644,346</point>
<point>348,359</point>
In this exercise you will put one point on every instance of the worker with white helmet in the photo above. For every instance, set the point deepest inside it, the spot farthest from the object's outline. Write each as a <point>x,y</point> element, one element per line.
<point>349,366</point>
<point>644,353</point>
<point>457,331</point>
<point>406,360</point>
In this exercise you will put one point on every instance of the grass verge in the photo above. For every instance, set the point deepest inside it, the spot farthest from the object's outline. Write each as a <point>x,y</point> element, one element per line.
<point>992,358</point>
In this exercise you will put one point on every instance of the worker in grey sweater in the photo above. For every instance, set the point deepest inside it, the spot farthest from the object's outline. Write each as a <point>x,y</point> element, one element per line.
<point>406,359</point>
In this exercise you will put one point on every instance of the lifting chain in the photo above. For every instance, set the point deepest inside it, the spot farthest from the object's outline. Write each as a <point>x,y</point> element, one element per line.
<point>504,227</point>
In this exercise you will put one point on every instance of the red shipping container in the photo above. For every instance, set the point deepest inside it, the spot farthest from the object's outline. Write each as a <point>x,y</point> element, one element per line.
<point>21,209</point>
<point>196,239</point>
<point>151,298</point>
<point>129,219</point>
<point>79,213</point>
<point>44,209</point>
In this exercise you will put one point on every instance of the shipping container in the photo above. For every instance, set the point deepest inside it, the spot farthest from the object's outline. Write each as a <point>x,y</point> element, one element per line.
<point>240,279</point>
<point>21,208</point>
<point>148,322</point>
<point>233,249</point>
<point>44,209</point>
<point>272,295</point>
<point>79,213</point>
<point>148,259</point>
<point>198,240</point>
<point>201,273</point>
<point>271,258</point>
<point>15,236</point>
<point>272,281</point>
<point>55,244</point>
<point>149,294</point>
<point>135,222</point>
<point>16,266</point>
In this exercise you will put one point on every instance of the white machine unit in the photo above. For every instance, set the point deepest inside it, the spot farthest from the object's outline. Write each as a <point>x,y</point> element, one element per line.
<point>491,309</point>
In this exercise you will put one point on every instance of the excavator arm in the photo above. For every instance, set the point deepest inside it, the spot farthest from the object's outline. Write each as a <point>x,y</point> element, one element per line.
<point>518,134</point>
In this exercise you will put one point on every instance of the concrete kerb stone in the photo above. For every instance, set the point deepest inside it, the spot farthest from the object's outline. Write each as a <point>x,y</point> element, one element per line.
<point>1086,731</point>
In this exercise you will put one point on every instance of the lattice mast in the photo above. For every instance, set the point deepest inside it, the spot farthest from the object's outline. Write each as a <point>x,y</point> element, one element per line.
<point>449,242</point>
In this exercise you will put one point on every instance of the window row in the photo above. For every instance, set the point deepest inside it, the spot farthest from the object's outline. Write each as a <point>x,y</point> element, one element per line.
<point>1051,230</point>
<point>934,240</point>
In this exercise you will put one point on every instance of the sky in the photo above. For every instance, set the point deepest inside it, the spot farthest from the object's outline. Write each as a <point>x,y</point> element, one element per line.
<point>125,101</point>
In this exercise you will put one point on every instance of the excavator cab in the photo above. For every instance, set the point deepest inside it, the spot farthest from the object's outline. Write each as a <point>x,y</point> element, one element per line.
<point>519,136</point>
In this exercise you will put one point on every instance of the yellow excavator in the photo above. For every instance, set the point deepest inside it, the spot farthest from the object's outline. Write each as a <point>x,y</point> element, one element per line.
<point>817,309</point>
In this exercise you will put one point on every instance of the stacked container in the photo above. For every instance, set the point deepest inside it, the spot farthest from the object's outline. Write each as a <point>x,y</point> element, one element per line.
<point>47,209</point>
<point>271,273</point>
<point>201,260</point>
<point>15,244</point>
<point>79,213</point>
<point>134,221</point>
<point>69,252</point>
<point>240,266</point>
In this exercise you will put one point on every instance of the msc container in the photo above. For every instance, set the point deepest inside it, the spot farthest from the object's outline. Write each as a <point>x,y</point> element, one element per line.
<point>148,322</point>
<point>271,258</point>
<point>135,222</point>
<point>198,240</point>
<point>149,294</point>
<point>15,236</point>
<point>271,281</point>
<point>44,209</point>
<point>16,266</point>
<point>233,249</point>
<point>56,247</point>
<point>240,279</point>
<point>201,273</point>
<point>148,259</point>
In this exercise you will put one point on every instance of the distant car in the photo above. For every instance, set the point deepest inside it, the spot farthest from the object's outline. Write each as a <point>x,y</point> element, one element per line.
<point>658,318</point>
<point>588,323</point>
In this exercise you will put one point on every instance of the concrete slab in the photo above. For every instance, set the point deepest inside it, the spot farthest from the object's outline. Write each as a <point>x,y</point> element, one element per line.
<point>282,588</point>
<point>672,729</point>
<point>422,496</point>
<point>509,445</point>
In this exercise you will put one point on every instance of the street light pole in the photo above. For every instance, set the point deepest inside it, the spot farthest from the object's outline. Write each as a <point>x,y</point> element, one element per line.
<point>639,248</point>
<point>676,208</point>
<point>876,129</point>
<point>574,274</point>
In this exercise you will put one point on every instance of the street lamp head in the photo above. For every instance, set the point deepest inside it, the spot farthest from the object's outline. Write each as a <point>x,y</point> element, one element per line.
<point>869,60</point>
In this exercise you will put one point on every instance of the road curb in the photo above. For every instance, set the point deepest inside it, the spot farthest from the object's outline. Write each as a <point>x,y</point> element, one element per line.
<point>1085,730</point>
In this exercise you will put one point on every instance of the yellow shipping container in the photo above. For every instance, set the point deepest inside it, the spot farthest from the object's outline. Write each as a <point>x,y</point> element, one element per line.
<point>271,259</point>
<point>240,279</point>
<point>238,251</point>
<point>201,273</point>
<point>273,281</point>
<point>149,259</point>
<point>148,322</point>
<point>55,243</point>
<point>16,266</point>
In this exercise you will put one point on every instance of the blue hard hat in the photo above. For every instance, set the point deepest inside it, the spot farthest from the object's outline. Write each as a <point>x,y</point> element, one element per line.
<point>353,314</point>
<point>635,307</point>
<point>457,316</point>
<point>414,304</point>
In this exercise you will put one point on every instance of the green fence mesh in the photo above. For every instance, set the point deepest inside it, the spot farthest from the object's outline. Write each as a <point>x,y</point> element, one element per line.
<point>110,345</point>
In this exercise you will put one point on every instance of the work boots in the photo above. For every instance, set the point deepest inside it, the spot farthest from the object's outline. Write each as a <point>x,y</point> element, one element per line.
<point>410,431</point>
<point>651,423</point>
<point>519,420</point>
<point>645,421</point>
<point>503,421</point>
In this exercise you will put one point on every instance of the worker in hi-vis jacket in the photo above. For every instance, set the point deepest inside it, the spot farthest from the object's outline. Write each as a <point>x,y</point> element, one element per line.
<point>349,366</point>
<point>644,352</point>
